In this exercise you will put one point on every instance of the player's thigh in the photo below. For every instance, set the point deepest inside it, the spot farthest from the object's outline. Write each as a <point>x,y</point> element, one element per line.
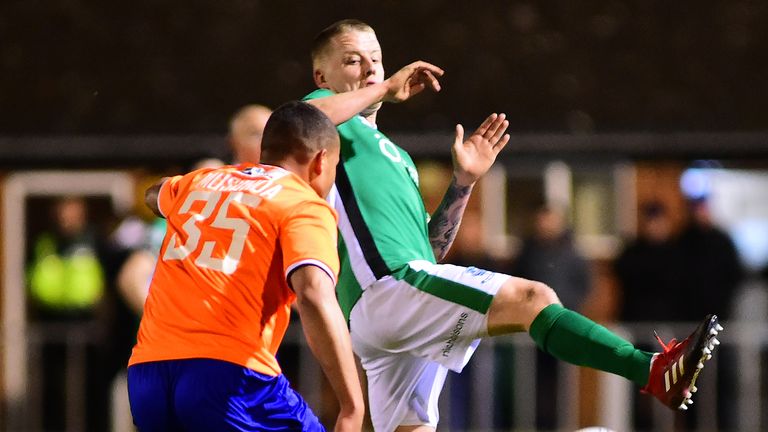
<point>404,391</point>
<point>516,305</point>
<point>432,311</point>
<point>149,388</point>
<point>216,395</point>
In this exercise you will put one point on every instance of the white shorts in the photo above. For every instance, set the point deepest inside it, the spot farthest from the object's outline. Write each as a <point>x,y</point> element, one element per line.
<point>411,327</point>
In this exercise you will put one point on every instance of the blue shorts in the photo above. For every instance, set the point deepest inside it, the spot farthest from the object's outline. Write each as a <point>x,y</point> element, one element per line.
<point>214,395</point>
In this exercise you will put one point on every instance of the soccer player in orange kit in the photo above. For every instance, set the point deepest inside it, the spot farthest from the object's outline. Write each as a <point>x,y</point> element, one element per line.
<point>243,243</point>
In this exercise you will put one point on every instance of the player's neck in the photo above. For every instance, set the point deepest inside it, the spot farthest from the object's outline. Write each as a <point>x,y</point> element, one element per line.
<point>371,118</point>
<point>289,164</point>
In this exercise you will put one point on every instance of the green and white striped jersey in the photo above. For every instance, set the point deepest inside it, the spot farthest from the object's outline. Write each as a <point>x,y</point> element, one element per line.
<point>382,219</point>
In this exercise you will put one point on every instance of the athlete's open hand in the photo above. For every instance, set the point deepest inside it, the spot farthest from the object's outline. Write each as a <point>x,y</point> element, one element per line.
<point>473,158</point>
<point>412,80</point>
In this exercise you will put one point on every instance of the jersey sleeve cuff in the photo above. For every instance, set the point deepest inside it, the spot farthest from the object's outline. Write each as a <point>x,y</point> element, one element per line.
<point>313,262</point>
<point>159,194</point>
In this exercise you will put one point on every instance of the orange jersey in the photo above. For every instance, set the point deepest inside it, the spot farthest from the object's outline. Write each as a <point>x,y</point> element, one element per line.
<point>220,287</point>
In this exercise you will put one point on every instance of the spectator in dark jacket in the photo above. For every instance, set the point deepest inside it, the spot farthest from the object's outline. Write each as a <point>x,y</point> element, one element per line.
<point>711,269</point>
<point>649,269</point>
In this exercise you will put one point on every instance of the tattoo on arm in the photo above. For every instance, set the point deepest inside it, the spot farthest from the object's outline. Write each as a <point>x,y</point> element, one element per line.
<point>445,222</point>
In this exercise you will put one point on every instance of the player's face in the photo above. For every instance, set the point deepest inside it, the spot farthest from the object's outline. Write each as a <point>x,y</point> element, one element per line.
<point>352,61</point>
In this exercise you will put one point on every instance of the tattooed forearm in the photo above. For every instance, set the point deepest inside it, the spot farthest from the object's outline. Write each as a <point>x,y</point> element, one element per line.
<point>445,222</point>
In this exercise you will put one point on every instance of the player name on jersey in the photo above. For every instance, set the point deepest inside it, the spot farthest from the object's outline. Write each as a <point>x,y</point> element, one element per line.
<point>263,186</point>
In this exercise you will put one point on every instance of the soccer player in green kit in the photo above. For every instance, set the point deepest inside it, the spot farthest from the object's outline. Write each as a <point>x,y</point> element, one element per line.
<point>411,319</point>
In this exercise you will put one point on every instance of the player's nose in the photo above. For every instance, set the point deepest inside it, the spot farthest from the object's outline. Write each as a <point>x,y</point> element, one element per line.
<point>368,68</point>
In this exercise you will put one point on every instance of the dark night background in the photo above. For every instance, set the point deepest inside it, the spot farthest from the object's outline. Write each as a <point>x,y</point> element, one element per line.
<point>182,67</point>
<point>146,88</point>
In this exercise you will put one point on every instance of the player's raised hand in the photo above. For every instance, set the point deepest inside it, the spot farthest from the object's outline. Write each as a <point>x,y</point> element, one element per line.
<point>473,158</point>
<point>411,80</point>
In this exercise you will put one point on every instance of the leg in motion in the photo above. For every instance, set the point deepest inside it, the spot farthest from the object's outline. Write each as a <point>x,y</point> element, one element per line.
<point>670,376</point>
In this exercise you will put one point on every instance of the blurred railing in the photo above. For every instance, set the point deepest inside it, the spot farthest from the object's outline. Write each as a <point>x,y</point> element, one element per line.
<point>732,396</point>
<point>732,392</point>
<point>501,390</point>
<point>17,336</point>
<point>73,342</point>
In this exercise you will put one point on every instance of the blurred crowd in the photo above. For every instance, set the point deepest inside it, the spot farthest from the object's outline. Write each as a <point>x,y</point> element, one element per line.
<point>91,277</point>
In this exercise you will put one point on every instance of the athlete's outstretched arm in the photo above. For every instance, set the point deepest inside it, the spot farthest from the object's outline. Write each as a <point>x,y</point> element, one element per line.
<point>151,195</point>
<point>405,83</point>
<point>471,160</point>
<point>326,332</point>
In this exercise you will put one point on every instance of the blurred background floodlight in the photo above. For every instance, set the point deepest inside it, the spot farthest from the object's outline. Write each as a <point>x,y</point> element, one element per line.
<point>751,239</point>
<point>696,182</point>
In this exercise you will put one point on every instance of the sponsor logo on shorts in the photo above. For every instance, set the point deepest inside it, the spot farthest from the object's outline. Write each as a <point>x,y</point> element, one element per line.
<point>455,333</point>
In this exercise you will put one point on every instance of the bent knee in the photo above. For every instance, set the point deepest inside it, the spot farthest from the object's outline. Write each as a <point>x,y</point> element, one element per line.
<point>541,293</point>
<point>525,291</point>
<point>517,303</point>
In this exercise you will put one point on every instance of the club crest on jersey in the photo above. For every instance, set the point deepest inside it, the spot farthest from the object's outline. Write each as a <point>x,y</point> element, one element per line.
<point>254,171</point>
<point>389,149</point>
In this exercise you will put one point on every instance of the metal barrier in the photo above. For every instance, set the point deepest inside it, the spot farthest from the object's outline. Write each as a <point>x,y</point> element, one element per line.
<point>74,341</point>
<point>732,383</point>
<point>485,401</point>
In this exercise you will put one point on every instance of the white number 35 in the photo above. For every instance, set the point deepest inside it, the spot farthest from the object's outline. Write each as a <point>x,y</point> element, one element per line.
<point>239,228</point>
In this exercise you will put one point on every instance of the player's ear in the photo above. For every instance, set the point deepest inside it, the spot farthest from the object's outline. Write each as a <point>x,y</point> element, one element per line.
<point>319,78</point>
<point>319,162</point>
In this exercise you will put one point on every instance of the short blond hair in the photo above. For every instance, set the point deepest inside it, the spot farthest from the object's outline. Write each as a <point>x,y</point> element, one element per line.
<point>323,39</point>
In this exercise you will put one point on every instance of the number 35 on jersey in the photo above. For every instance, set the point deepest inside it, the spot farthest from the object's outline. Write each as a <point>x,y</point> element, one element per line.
<point>233,244</point>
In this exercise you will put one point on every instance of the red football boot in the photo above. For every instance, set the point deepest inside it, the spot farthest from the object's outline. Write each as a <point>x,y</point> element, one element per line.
<point>674,371</point>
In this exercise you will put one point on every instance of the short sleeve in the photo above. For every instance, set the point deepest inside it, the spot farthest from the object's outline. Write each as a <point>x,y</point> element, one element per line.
<point>343,127</point>
<point>308,236</point>
<point>169,191</point>
<point>319,93</point>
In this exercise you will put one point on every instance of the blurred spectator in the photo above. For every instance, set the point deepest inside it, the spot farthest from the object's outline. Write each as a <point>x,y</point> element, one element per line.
<point>245,130</point>
<point>711,268</point>
<point>244,137</point>
<point>66,286</point>
<point>711,273</point>
<point>66,280</point>
<point>649,268</point>
<point>549,255</point>
<point>119,323</point>
<point>136,272</point>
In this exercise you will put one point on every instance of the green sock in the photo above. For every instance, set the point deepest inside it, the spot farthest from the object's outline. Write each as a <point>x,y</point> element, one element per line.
<point>576,339</point>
